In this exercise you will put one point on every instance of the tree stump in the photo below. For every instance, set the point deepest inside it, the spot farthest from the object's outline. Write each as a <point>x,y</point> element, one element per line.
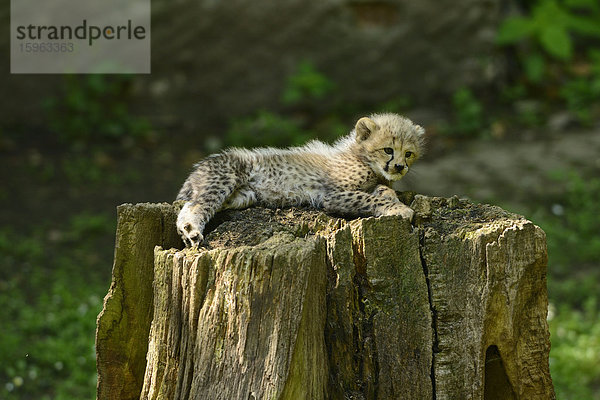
<point>298,304</point>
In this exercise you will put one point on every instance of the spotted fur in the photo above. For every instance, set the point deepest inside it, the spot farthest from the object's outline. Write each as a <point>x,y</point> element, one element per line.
<point>350,177</point>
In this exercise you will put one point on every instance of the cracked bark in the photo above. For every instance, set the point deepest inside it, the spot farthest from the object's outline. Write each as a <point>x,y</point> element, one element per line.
<point>293,304</point>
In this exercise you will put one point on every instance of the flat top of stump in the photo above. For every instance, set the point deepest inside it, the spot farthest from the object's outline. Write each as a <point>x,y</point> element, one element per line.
<point>255,225</point>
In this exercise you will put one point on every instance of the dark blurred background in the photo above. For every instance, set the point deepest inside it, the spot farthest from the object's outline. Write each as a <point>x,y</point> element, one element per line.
<point>508,91</point>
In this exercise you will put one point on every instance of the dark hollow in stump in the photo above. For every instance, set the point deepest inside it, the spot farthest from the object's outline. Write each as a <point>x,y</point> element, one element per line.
<point>298,304</point>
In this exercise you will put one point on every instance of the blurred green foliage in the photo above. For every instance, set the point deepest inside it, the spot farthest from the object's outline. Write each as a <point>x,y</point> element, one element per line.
<point>556,43</point>
<point>79,170</point>
<point>468,116</point>
<point>550,26</point>
<point>94,110</point>
<point>575,353</point>
<point>582,94</point>
<point>266,128</point>
<point>306,85</point>
<point>51,293</point>
<point>571,224</point>
<point>575,231</point>
<point>312,111</point>
<point>398,105</point>
<point>303,91</point>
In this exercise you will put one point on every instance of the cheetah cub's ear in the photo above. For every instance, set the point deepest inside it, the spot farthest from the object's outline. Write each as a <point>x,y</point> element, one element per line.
<point>364,127</point>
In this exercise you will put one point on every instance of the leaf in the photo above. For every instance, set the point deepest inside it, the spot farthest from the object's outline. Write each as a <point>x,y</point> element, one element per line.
<point>514,29</point>
<point>556,41</point>
<point>584,25</point>
<point>535,67</point>
<point>549,13</point>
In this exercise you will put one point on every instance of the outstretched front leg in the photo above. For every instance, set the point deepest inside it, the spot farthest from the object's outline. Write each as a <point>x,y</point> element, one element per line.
<point>382,201</point>
<point>205,192</point>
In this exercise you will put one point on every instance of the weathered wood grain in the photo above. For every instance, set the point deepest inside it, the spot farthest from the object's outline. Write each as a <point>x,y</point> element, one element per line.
<point>296,304</point>
<point>124,322</point>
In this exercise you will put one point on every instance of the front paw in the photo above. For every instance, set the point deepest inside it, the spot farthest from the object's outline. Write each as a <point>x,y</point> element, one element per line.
<point>191,236</point>
<point>190,227</point>
<point>401,210</point>
<point>386,192</point>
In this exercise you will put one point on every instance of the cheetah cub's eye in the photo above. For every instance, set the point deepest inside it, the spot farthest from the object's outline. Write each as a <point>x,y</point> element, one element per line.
<point>388,150</point>
<point>408,154</point>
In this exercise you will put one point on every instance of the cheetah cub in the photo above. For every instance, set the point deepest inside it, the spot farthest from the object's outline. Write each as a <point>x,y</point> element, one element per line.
<point>351,177</point>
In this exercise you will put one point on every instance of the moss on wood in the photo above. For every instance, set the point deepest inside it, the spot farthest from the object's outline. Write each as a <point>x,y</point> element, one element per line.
<point>294,303</point>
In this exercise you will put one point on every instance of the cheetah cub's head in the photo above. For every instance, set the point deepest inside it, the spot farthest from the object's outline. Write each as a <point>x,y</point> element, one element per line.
<point>390,143</point>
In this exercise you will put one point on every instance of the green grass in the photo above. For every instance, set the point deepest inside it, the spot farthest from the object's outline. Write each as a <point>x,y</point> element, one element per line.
<point>51,292</point>
<point>571,224</point>
<point>575,354</point>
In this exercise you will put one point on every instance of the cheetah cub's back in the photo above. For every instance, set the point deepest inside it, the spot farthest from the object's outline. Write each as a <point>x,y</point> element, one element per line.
<point>351,177</point>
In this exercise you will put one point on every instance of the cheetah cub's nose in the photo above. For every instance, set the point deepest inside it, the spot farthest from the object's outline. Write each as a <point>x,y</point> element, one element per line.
<point>399,167</point>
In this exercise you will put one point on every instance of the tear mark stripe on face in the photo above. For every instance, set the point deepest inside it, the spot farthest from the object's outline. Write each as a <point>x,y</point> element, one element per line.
<point>387,164</point>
